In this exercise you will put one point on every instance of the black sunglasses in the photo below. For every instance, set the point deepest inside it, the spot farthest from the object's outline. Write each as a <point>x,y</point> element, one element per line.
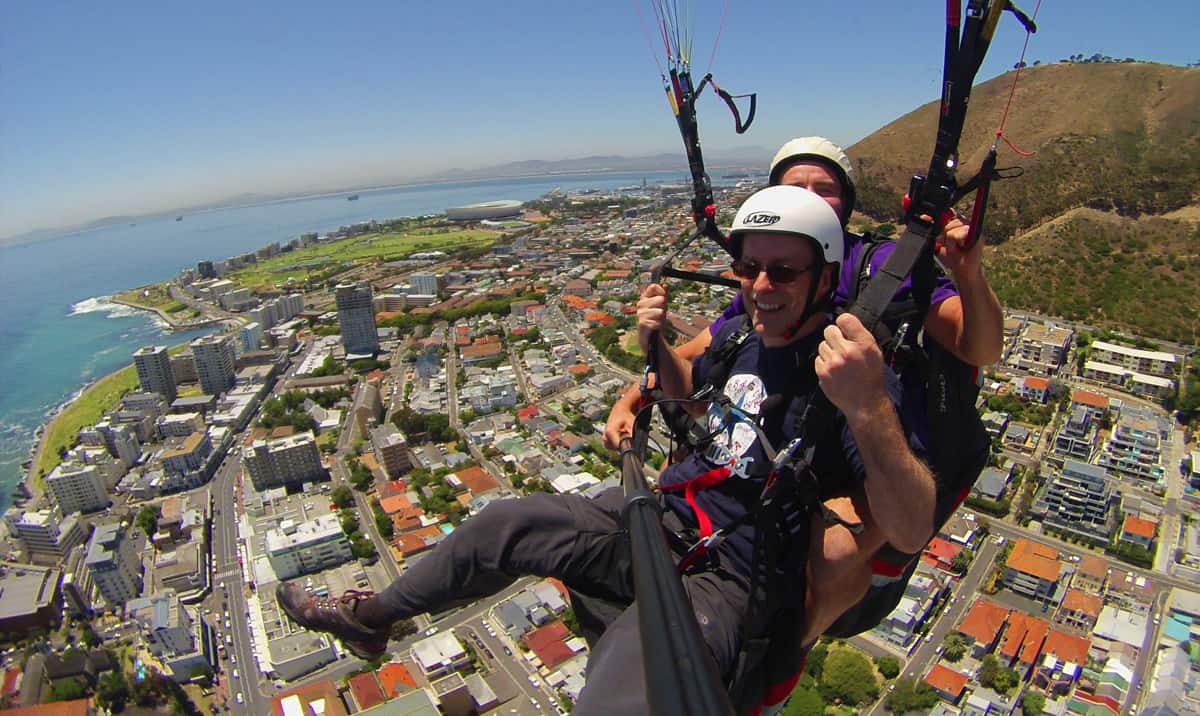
<point>777,273</point>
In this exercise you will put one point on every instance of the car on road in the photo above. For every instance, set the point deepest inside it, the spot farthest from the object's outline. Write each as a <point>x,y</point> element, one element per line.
<point>431,631</point>
<point>235,673</point>
<point>240,699</point>
<point>508,651</point>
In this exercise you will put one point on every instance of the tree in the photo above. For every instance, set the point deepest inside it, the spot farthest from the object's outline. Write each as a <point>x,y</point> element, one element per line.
<point>910,695</point>
<point>147,519</point>
<point>988,670</point>
<point>1033,703</point>
<point>848,678</point>
<point>962,561</point>
<point>888,665</point>
<point>67,690</point>
<point>112,691</point>
<point>804,701</point>
<point>342,496</point>
<point>954,647</point>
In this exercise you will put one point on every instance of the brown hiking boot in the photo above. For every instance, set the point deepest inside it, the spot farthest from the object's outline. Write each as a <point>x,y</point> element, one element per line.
<point>334,615</point>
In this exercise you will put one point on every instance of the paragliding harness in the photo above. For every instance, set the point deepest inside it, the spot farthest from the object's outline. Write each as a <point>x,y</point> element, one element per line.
<point>679,669</point>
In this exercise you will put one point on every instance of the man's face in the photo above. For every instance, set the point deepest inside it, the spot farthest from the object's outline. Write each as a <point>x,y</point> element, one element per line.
<point>817,178</point>
<point>775,307</point>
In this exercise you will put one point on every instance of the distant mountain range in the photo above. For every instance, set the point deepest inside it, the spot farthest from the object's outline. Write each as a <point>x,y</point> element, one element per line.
<point>715,160</point>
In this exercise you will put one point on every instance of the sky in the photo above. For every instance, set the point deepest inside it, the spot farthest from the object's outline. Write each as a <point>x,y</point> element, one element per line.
<point>139,106</point>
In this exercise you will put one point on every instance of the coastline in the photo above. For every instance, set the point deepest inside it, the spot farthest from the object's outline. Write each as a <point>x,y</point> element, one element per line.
<point>172,324</point>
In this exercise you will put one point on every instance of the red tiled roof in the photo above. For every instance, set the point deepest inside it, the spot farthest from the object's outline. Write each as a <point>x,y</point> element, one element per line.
<point>322,690</point>
<point>1086,397</point>
<point>942,550</point>
<point>78,707</point>
<point>417,541</point>
<point>481,350</point>
<point>946,680</point>
<point>549,643</point>
<point>1036,382</point>
<point>477,480</point>
<point>1024,637</point>
<point>395,503</point>
<point>529,411</point>
<point>395,679</point>
<point>1080,601</point>
<point>1139,528</point>
<point>366,690</point>
<point>984,621</point>
<point>1067,647</point>
<point>579,369</point>
<point>1035,559</point>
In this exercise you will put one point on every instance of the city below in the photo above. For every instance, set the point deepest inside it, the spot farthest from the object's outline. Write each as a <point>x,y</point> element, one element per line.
<point>363,393</point>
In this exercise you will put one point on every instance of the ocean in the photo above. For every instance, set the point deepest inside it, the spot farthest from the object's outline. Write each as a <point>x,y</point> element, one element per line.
<point>59,332</point>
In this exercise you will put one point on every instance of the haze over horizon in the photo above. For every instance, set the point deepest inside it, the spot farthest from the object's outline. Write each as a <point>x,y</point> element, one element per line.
<point>141,108</point>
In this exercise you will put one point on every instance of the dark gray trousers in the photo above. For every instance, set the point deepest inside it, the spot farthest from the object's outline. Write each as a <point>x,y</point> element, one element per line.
<point>580,542</point>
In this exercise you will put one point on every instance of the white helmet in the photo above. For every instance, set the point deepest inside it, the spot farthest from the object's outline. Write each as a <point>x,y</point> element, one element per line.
<point>790,210</point>
<point>821,150</point>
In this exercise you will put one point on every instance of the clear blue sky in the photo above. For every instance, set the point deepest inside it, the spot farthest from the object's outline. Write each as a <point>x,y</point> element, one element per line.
<point>131,107</point>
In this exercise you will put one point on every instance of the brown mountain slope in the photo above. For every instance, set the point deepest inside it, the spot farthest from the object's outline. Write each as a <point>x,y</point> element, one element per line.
<point>1116,136</point>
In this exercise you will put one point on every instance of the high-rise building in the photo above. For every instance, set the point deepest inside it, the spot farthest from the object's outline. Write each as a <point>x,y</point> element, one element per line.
<point>214,357</point>
<point>356,319</point>
<point>77,488</point>
<point>113,563</point>
<point>154,373</point>
<point>251,336</point>
<point>287,461</point>
<point>391,450</point>
<point>425,283</point>
<point>46,535</point>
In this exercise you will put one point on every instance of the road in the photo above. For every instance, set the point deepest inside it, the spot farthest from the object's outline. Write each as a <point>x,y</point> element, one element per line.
<point>922,657</point>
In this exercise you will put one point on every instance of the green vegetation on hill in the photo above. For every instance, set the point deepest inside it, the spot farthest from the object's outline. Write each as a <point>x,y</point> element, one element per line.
<point>1134,274</point>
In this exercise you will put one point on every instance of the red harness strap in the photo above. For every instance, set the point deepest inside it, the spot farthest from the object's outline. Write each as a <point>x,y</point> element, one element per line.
<point>694,485</point>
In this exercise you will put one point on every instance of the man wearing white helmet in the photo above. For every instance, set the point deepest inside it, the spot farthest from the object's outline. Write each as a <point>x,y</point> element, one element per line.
<point>967,320</point>
<point>791,243</point>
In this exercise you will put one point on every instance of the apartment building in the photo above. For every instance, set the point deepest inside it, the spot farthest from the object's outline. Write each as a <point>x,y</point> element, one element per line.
<point>1078,499</point>
<point>45,535</point>
<point>1042,348</point>
<point>356,319</point>
<point>286,461</point>
<point>297,548</point>
<point>1134,448</point>
<point>215,359</point>
<point>1136,360</point>
<point>153,366</point>
<point>1033,570</point>
<point>77,487</point>
<point>113,563</point>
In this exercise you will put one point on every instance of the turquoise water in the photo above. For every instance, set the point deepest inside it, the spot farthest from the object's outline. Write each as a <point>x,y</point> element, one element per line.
<point>58,332</point>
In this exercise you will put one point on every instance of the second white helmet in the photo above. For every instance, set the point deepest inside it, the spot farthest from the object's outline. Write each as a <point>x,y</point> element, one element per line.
<point>822,150</point>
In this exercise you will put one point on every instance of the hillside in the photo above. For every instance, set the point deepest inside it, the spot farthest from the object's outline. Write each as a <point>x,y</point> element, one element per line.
<point>1103,225</point>
<point>1118,136</point>
<point>1138,275</point>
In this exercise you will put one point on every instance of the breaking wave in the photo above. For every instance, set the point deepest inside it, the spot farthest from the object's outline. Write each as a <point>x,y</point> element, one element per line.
<point>102,304</point>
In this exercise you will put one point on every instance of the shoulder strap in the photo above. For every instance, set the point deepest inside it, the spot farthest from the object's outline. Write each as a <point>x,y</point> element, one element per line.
<point>712,370</point>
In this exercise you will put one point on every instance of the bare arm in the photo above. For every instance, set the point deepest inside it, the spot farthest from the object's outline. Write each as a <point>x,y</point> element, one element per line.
<point>972,325</point>
<point>620,418</point>
<point>899,487</point>
<point>674,371</point>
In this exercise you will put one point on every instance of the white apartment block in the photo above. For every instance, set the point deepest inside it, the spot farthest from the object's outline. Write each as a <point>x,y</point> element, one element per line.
<point>153,366</point>
<point>214,358</point>
<point>250,336</point>
<point>77,488</point>
<point>286,461</point>
<point>45,534</point>
<point>113,564</point>
<point>179,425</point>
<point>1134,448</point>
<point>300,548</point>
<point>1042,348</point>
<point>1164,365</point>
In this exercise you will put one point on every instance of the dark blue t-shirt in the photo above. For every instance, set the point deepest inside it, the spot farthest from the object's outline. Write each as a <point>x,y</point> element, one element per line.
<point>758,372</point>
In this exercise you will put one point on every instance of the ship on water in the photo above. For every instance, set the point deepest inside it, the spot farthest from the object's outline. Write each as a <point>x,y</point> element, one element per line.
<point>352,197</point>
